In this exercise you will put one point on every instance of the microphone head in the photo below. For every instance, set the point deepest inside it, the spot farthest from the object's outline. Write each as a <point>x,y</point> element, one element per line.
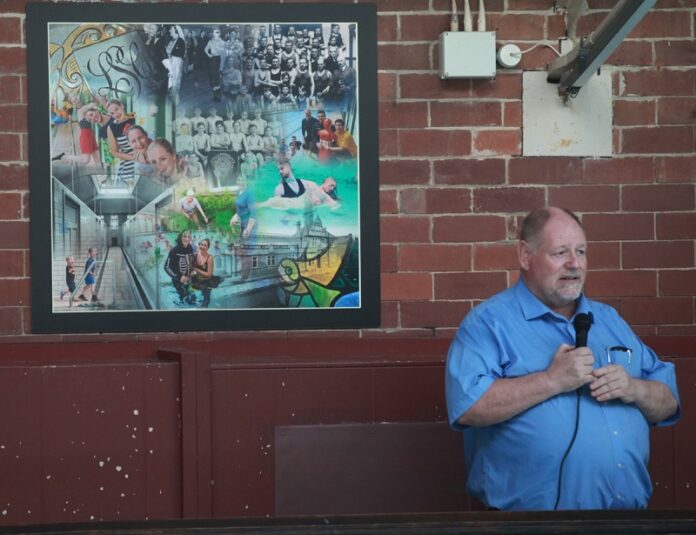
<point>582,323</point>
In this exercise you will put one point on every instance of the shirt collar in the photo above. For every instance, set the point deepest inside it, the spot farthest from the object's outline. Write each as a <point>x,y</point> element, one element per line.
<point>533,308</point>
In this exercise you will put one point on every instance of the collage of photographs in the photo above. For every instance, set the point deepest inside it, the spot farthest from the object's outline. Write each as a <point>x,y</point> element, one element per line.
<point>204,166</point>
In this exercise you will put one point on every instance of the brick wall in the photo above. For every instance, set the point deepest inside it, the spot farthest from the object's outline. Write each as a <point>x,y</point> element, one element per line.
<point>453,183</point>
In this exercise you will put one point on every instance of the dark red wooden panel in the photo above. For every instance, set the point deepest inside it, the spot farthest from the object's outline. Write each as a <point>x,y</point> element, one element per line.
<point>685,437</point>
<point>95,433</point>
<point>410,394</point>
<point>246,407</point>
<point>344,469</point>
<point>21,445</point>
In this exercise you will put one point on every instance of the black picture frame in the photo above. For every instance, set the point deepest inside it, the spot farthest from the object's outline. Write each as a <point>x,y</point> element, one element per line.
<point>71,209</point>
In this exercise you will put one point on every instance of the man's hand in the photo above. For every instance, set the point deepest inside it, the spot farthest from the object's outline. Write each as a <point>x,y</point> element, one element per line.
<point>571,368</point>
<point>612,382</point>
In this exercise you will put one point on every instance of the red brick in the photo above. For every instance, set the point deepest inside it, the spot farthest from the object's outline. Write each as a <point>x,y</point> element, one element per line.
<point>621,283</point>
<point>404,57</point>
<point>469,285</point>
<point>675,53</point>
<point>609,227</point>
<point>422,27</point>
<point>508,199</point>
<point>618,170</point>
<point>517,27</point>
<point>429,86</point>
<point>453,171</point>
<point>676,110</point>
<point>12,264</point>
<point>388,143</point>
<point>658,254</point>
<point>10,320</point>
<point>388,202</point>
<point>14,292</point>
<point>554,170</point>
<point>10,206</point>
<point>404,229</point>
<point>448,200</point>
<point>404,172</point>
<point>15,235</point>
<point>387,27</point>
<point>10,89</point>
<point>403,114</point>
<point>588,22</point>
<point>604,255</point>
<point>14,117</point>
<point>435,258</point>
<point>403,5</point>
<point>10,30</point>
<point>663,24</point>
<point>663,139</point>
<point>468,228</point>
<point>429,314</point>
<point>389,315</point>
<point>660,198</point>
<point>387,83</point>
<point>661,82</point>
<point>505,85</point>
<point>10,149</point>
<point>634,112</point>
<point>389,258</point>
<point>659,310</point>
<point>498,142</point>
<point>556,27</point>
<point>678,282</point>
<point>434,142</point>
<point>433,201</point>
<point>466,113</point>
<point>13,60</point>
<point>512,114</point>
<point>675,168</point>
<point>529,5</point>
<point>13,177</point>
<point>413,201</point>
<point>678,330</point>
<point>676,226</point>
<point>406,286</point>
<point>632,53</point>
<point>585,198</point>
<point>495,257</point>
<point>491,6</point>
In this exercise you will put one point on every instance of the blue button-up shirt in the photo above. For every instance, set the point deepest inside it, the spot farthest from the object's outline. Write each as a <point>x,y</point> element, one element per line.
<point>514,465</point>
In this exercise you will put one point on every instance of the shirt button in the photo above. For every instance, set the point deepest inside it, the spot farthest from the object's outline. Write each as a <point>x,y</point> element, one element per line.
<point>616,433</point>
<point>619,465</point>
<point>619,497</point>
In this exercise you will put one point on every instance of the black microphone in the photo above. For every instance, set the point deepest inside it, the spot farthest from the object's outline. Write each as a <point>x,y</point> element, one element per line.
<point>582,324</point>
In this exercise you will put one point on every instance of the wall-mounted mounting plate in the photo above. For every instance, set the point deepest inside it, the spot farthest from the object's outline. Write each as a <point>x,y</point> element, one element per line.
<point>582,126</point>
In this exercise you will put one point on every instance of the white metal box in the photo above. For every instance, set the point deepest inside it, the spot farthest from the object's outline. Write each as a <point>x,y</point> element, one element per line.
<point>467,55</point>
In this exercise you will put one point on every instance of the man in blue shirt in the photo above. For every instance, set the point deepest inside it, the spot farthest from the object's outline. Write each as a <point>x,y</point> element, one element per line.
<point>547,425</point>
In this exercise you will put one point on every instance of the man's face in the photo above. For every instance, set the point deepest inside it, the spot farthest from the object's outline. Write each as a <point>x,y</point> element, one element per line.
<point>555,268</point>
<point>340,127</point>
<point>186,239</point>
<point>321,116</point>
<point>284,170</point>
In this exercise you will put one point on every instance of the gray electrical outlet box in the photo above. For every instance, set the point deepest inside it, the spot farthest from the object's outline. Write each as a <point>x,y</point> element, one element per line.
<point>467,55</point>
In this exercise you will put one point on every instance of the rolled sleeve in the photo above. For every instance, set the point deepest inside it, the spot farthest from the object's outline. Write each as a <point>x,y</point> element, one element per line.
<point>473,364</point>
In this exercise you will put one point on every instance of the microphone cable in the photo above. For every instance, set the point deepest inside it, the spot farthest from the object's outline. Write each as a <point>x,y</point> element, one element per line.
<point>578,394</point>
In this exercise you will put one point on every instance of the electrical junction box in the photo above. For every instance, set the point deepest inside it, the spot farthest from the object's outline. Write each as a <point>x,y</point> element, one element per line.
<point>467,55</point>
